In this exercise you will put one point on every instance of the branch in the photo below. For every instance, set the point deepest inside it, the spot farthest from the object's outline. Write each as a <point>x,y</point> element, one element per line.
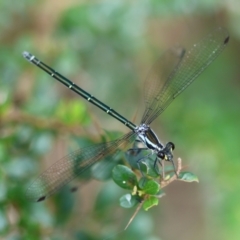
<point>165,182</point>
<point>17,117</point>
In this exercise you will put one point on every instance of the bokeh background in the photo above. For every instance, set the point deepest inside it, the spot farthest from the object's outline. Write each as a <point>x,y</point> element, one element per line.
<point>107,47</point>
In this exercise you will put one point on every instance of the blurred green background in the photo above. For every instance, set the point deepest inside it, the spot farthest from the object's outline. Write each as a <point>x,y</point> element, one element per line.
<point>107,47</point>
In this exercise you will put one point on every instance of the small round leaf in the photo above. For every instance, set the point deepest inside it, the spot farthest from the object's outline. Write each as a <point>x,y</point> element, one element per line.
<point>150,202</point>
<point>124,177</point>
<point>187,177</point>
<point>151,187</point>
<point>128,201</point>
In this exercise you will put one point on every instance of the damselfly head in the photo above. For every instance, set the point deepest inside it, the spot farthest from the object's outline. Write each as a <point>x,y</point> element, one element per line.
<point>166,152</point>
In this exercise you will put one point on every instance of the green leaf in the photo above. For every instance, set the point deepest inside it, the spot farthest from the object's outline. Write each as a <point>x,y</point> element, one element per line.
<point>151,187</point>
<point>102,170</point>
<point>133,156</point>
<point>150,202</point>
<point>142,182</point>
<point>124,177</point>
<point>128,201</point>
<point>187,177</point>
<point>146,165</point>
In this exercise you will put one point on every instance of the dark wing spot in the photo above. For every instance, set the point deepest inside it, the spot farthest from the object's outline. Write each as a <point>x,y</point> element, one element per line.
<point>41,199</point>
<point>226,40</point>
<point>74,189</point>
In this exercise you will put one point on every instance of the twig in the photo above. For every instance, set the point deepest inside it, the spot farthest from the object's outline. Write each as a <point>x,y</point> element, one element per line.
<point>164,183</point>
<point>134,214</point>
<point>17,117</point>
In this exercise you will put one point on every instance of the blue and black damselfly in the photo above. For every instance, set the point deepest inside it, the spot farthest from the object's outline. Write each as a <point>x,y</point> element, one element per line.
<point>174,71</point>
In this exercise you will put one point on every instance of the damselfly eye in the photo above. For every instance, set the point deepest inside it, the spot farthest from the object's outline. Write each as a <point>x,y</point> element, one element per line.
<point>172,145</point>
<point>161,155</point>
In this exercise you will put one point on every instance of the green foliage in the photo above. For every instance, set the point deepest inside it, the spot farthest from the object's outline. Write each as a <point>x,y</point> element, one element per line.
<point>124,177</point>
<point>150,202</point>
<point>128,201</point>
<point>106,48</point>
<point>145,189</point>
<point>187,177</point>
<point>151,187</point>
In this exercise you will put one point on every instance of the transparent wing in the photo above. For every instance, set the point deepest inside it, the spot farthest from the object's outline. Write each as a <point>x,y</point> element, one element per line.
<point>161,70</point>
<point>166,82</point>
<point>74,164</point>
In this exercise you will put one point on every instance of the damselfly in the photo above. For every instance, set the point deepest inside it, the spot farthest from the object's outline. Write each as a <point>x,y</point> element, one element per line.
<point>174,71</point>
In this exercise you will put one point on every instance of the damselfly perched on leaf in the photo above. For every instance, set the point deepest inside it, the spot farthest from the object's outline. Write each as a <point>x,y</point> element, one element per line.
<point>174,71</point>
